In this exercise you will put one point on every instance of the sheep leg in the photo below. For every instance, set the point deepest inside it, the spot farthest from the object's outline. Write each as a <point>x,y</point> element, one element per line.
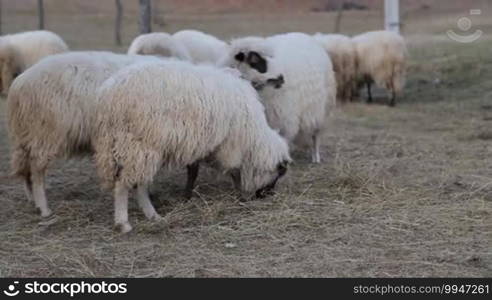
<point>236,179</point>
<point>121,208</point>
<point>369,94</point>
<point>145,204</point>
<point>315,157</point>
<point>39,192</point>
<point>192,175</point>
<point>350,96</point>
<point>355,91</point>
<point>393,98</point>
<point>28,187</point>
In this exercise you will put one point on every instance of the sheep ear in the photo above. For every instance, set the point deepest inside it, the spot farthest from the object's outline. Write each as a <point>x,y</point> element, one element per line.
<point>239,57</point>
<point>256,61</point>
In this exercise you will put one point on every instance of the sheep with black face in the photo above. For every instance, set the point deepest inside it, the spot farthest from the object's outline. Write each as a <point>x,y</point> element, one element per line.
<point>295,80</point>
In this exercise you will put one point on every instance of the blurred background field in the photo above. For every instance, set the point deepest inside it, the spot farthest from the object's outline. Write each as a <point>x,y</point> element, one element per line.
<point>403,191</point>
<point>89,24</point>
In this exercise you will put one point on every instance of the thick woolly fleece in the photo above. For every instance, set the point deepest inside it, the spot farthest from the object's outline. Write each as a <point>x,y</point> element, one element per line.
<point>341,50</point>
<point>381,56</point>
<point>51,106</point>
<point>202,47</point>
<point>173,114</point>
<point>159,44</point>
<point>301,107</point>
<point>22,50</point>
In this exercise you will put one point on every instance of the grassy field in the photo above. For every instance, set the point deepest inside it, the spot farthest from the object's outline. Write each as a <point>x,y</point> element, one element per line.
<point>403,191</point>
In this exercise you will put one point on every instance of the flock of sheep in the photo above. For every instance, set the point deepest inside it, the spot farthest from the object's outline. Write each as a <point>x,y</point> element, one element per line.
<point>179,100</point>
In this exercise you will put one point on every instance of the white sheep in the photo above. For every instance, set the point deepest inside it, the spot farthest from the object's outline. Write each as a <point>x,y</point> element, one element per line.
<point>22,50</point>
<point>300,108</point>
<point>202,47</point>
<point>159,44</point>
<point>341,50</point>
<point>381,58</point>
<point>51,107</point>
<point>173,114</point>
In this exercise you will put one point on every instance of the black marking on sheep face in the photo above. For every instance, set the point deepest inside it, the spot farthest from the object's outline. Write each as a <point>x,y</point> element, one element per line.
<point>257,62</point>
<point>258,85</point>
<point>282,168</point>
<point>268,189</point>
<point>240,57</point>
<point>274,82</point>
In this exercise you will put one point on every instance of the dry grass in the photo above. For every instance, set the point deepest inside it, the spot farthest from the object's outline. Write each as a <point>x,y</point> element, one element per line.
<point>401,192</point>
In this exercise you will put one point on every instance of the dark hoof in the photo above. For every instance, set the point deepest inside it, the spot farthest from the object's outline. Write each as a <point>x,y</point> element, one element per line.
<point>123,227</point>
<point>50,220</point>
<point>154,197</point>
<point>188,195</point>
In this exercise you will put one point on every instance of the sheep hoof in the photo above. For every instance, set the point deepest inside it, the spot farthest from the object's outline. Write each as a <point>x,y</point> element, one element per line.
<point>156,218</point>
<point>188,195</point>
<point>123,227</point>
<point>46,213</point>
<point>50,220</point>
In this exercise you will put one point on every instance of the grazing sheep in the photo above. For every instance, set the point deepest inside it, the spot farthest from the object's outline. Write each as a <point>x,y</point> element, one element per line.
<point>194,168</point>
<point>22,50</point>
<point>301,107</point>
<point>381,58</point>
<point>342,52</point>
<point>202,47</point>
<point>51,107</point>
<point>159,44</point>
<point>173,114</point>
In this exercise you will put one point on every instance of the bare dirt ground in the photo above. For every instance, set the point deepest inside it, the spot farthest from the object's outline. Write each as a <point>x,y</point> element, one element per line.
<point>403,191</point>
